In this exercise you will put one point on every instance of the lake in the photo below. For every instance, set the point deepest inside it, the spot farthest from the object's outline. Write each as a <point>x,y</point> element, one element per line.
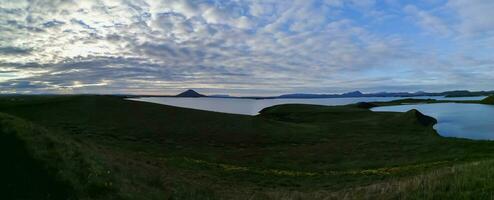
<point>472,121</point>
<point>253,106</point>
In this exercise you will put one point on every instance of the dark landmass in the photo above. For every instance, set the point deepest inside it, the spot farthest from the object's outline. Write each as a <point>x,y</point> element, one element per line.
<point>355,94</point>
<point>459,93</point>
<point>366,105</point>
<point>414,116</point>
<point>105,147</point>
<point>488,100</point>
<point>190,93</point>
<point>466,93</point>
<point>359,94</point>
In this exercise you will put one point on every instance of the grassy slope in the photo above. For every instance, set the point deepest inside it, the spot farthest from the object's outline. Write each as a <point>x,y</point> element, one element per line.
<point>488,100</point>
<point>155,151</point>
<point>23,176</point>
<point>42,164</point>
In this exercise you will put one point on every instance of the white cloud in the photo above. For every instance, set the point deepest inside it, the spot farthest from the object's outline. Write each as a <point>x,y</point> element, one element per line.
<point>428,21</point>
<point>475,16</point>
<point>170,44</point>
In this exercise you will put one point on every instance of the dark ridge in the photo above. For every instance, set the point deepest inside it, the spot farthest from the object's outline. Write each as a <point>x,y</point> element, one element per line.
<point>488,100</point>
<point>418,117</point>
<point>365,105</point>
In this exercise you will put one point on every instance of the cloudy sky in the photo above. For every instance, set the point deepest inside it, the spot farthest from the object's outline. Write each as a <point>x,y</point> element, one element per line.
<point>245,47</point>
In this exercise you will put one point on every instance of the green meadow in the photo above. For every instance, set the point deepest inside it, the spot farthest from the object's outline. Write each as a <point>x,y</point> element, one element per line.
<point>106,147</point>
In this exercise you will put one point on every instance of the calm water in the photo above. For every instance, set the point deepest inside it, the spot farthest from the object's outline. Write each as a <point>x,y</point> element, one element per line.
<point>473,121</point>
<point>252,107</point>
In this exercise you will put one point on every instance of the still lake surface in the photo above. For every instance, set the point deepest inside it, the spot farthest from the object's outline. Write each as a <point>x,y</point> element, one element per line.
<point>472,121</point>
<point>253,106</point>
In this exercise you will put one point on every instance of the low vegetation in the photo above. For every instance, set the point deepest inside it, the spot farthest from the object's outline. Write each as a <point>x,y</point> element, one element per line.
<point>488,100</point>
<point>105,147</point>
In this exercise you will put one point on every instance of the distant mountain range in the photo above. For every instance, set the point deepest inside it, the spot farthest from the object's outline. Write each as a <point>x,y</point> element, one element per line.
<point>360,94</point>
<point>466,93</point>
<point>455,93</point>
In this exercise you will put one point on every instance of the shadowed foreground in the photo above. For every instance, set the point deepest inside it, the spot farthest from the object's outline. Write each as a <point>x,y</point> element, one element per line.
<point>104,147</point>
<point>24,177</point>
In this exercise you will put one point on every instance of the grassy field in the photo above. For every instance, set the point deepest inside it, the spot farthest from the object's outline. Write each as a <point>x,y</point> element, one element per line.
<point>105,147</point>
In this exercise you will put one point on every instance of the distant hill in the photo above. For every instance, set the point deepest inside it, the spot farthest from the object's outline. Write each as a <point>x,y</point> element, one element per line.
<point>358,94</point>
<point>353,94</point>
<point>190,93</point>
<point>455,93</point>
<point>466,93</point>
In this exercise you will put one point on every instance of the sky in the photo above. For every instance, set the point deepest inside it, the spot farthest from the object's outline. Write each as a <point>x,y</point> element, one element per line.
<point>245,47</point>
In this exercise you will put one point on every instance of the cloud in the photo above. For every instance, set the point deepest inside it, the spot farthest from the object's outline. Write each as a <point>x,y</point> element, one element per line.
<point>14,51</point>
<point>428,21</point>
<point>162,46</point>
<point>475,16</point>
